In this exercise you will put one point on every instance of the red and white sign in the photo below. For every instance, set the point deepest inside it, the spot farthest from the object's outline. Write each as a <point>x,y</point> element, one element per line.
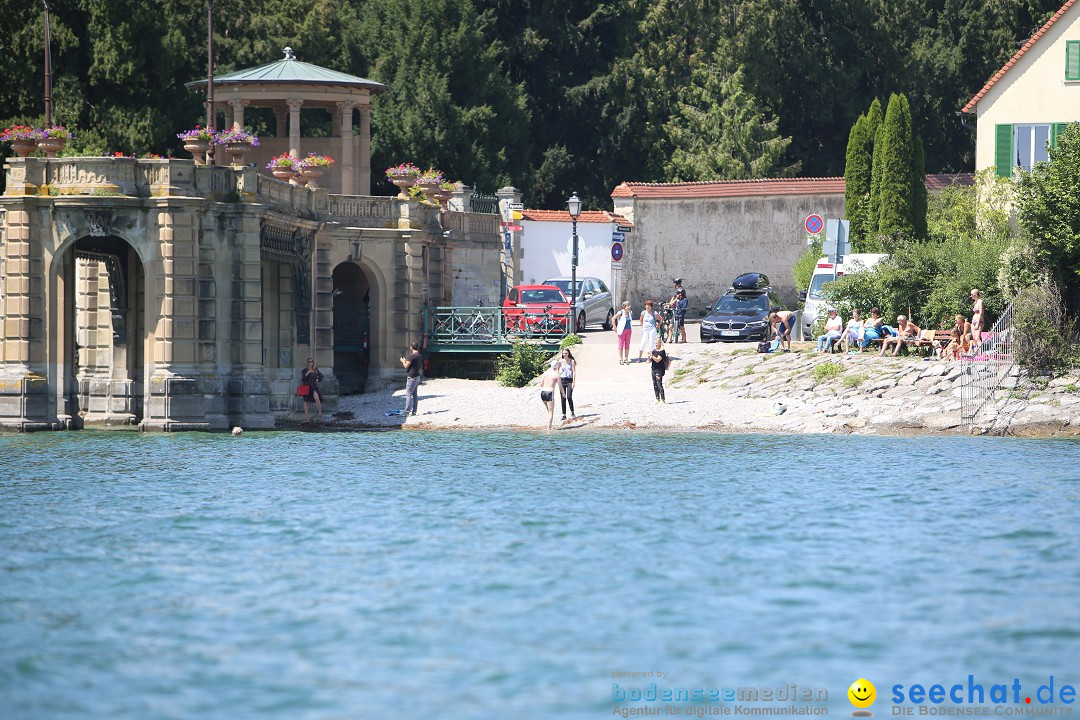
<point>814,224</point>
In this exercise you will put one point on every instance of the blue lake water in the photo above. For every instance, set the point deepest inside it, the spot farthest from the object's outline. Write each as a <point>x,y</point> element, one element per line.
<point>501,575</point>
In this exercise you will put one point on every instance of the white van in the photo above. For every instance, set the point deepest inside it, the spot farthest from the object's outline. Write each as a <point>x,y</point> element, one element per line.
<point>824,273</point>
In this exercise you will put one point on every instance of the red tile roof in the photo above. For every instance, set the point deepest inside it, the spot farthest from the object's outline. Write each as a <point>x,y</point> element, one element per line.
<point>587,216</point>
<point>1027,46</point>
<point>754,188</point>
<point>731,188</point>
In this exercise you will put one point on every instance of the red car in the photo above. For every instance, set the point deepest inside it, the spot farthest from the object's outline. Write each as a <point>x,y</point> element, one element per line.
<point>536,308</point>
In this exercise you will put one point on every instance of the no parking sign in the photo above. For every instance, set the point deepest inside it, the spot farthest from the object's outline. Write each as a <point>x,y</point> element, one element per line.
<point>814,224</point>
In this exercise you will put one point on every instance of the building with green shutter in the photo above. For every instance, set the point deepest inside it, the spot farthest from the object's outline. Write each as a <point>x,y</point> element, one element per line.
<point>1025,106</point>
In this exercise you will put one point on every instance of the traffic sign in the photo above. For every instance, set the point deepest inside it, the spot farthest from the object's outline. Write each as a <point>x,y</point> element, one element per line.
<point>516,206</point>
<point>618,237</point>
<point>616,251</point>
<point>814,224</point>
<point>624,228</point>
<point>514,228</point>
<point>616,265</point>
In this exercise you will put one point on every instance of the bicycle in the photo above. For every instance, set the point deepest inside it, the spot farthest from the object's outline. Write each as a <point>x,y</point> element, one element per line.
<point>548,324</point>
<point>477,325</point>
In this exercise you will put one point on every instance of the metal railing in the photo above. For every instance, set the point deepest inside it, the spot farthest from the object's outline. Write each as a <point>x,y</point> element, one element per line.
<point>985,371</point>
<point>480,326</point>
<point>481,203</point>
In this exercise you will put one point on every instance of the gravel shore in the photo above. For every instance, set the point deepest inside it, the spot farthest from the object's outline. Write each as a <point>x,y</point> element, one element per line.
<point>728,388</point>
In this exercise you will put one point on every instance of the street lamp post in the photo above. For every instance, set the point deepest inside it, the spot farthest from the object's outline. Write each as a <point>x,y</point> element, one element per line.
<point>210,76</point>
<point>573,205</point>
<point>48,69</point>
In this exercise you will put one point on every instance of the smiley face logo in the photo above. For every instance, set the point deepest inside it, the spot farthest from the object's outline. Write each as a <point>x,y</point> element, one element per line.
<point>862,694</point>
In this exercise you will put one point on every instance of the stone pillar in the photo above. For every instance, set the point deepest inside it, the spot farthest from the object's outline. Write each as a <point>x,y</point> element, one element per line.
<point>25,399</point>
<point>279,122</point>
<point>348,170</point>
<point>363,169</point>
<point>294,125</point>
<point>413,260</point>
<point>237,107</point>
<point>248,391</point>
<point>460,198</point>
<point>176,395</point>
<point>322,321</point>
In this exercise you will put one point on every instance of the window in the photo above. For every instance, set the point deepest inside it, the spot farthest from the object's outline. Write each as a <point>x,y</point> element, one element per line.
<point>1072,60</point>
<point>1029,145</point>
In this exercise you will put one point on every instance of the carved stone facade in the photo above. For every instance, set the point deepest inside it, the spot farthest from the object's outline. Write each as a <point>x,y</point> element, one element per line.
<point>188,298</point>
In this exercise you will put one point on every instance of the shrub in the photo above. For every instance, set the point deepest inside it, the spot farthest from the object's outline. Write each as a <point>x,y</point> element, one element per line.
<point>524,362</point>
<point>570,340</point>
<point>854,381</point>
<point>827,371</point>
<point>1042,339</point>
<point>804,266</point>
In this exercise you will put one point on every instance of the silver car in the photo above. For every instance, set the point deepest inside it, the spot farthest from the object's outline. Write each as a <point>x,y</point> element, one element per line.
<point>594,303</point>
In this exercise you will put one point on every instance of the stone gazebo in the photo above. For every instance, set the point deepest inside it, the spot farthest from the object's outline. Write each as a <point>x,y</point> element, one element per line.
<point>289,86</point>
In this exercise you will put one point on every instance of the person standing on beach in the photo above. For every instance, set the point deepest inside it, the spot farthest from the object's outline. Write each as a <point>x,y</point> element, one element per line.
<point>977,317</point>
<point>311,377</point>
<point>784,320</point>
<point>623,322</point>
<point>648,329</point>
<point>412,365</point>
<point>568,375</point>
<point>550,381</point>
<point>659,359</point>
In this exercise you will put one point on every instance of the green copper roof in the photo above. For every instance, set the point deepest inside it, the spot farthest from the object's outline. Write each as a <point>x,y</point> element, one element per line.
<point>291,70</point>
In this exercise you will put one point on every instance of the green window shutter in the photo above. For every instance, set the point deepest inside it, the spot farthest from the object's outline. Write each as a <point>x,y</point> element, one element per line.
<point>1072,60</point>
<point>1055,132</point>
<point>1003,150</point>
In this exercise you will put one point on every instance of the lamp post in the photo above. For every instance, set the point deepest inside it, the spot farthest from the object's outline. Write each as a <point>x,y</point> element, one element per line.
<point>210,76</point>
<point>573,206</point>
<point>48,69</point>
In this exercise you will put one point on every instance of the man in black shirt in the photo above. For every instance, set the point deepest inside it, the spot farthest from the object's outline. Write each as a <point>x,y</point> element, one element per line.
<point>412,365</point>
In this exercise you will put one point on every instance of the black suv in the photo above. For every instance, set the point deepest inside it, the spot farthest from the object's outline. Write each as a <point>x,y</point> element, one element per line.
<point>742,313</point>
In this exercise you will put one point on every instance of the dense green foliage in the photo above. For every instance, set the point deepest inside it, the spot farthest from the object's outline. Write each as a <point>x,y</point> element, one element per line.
<point>1049,209</point>
<point>930,280</point>
<point>549,95</point>
<point>523,363</point>
<point>857,181</point>
<point>1043,341</point>
<point>804,266</point>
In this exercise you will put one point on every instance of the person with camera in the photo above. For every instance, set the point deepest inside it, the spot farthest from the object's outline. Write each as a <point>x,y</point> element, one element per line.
<point>678,305</point>
<point>412,365</point>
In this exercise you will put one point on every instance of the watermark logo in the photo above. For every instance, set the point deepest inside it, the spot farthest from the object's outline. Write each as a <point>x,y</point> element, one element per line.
<point>862,694</point>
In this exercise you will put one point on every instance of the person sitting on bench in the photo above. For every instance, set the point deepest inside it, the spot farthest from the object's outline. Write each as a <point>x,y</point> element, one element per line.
<point>906,332</point>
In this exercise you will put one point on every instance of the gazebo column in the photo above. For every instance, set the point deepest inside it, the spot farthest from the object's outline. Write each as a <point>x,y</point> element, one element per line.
<point>294,125</point>
<point>279,118</point>
<point>238,113</point>
<point>364,163</point>
<point>348,169</point>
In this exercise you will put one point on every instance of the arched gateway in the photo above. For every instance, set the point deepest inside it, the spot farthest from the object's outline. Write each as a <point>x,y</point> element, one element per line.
<point>170,296</point>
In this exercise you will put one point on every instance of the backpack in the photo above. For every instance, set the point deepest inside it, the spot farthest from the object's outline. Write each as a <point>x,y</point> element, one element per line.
<point>683,302</point>
<point>763,346</point>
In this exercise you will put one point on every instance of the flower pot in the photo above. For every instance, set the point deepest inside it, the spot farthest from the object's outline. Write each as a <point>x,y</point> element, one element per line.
<point>443,197</point>
<point>311,174</point>
<point>403,182</point>
<point>51,145</point>
<point>237,151</point>
<point>429,188</point>
<point>282,173</point>
<point>23,148</point>
<point>198,150</point>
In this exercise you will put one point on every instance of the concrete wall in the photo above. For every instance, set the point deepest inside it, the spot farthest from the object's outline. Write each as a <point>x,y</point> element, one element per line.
<point>1033,90</point>
<point>708,241</point>
<point>548,246</point>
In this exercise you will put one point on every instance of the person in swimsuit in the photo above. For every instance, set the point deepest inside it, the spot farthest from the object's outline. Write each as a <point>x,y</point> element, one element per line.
<point>784,320</point>
<point>906,332</point>
<point>550,382</point>
<point>977,315</point>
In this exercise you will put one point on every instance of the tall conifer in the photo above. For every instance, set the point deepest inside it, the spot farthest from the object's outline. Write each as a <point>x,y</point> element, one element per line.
<point>857,180</point>
<point>894,188</point>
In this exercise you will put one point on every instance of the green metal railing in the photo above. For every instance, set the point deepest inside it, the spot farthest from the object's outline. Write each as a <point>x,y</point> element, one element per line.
<point>482,203</point>
<point>481,329</point>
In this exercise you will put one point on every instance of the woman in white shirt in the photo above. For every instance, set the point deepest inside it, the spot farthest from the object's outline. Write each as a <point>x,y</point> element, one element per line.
<point>834,329</point>
<point>853,330</point>
<point>648,329</point>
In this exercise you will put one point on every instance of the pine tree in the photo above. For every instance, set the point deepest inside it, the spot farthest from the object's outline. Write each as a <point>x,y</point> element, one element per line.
<point>857,181</point>
<point>894,189</point>
<point>717,132</point>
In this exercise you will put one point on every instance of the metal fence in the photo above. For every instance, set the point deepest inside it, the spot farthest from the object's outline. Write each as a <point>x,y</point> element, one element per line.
<point>478,326</point>
<point>481,203</point>
<point>985,372</point>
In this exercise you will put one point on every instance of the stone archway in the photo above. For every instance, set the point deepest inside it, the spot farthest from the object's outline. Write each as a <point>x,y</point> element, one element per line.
<point>103,340</point>
<point>352,327</point>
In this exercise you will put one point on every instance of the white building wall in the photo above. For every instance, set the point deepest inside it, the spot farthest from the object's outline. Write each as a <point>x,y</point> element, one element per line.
<point>1033,90</point>
<point>547,248</point>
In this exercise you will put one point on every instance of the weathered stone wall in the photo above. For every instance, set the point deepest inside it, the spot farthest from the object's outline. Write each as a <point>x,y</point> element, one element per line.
<point>708,241</point>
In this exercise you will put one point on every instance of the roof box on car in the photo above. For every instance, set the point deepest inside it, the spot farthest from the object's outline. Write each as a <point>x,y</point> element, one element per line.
<point>750,281</point>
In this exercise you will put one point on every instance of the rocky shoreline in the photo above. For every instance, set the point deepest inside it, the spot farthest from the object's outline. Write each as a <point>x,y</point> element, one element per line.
<point>733,389</point>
